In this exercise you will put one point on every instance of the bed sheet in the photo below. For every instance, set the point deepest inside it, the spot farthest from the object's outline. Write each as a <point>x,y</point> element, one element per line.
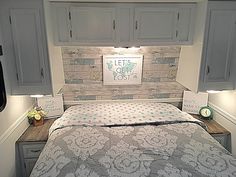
<point>122,113</point>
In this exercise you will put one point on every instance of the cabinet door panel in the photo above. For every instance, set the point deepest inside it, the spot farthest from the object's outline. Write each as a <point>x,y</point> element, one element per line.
<point>224,140</point>
<point>124,32</point>
<point>186,24</point>
<point>32,150</point>
<point>29,165</point>
<point>28,43</point>
<point>93,25</point>
<point>155,24</point>
<point>61,23</point>
<point>219,48</point>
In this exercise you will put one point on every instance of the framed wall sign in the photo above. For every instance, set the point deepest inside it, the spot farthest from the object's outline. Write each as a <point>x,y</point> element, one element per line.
<point>122,69</point>
<point>53,106</point>
<point>193,102</point>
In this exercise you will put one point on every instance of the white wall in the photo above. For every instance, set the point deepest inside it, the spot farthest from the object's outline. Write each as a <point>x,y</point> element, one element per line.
<point>16,107</point>
<point>12,123</point>
<point>224,104</point>
<point>226,100</point>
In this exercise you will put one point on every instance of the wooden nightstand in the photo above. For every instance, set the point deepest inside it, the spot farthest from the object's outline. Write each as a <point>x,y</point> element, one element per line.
<point>217,131</point>
<point>29,147</point>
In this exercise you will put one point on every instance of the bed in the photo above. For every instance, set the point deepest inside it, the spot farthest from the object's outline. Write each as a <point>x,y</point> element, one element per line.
<point>131,140</point>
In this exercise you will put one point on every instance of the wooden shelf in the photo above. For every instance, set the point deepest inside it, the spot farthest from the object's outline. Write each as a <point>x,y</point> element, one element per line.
<point>213,126</point>
<point>39,133</point>
<point>218,132</point>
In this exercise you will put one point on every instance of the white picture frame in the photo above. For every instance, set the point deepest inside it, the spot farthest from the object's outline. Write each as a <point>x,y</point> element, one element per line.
<point>53,106</point>
<point>193,102</point>
<point>122,69</point>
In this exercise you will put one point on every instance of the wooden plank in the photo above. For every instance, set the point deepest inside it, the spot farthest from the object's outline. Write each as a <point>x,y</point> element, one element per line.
<point>213,126</point>
<point>39,133</point>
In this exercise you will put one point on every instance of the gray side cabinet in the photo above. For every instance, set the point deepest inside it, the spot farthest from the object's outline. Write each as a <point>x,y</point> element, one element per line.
<point>29,146</point>
<point>28,153</point>
<point>122,24</point>
<point>224,140</point>
<point>219,49</point>
<point>24,23</point>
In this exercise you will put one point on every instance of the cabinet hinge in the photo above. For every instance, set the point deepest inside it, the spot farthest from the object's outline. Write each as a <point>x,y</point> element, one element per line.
<point>71,33</point>
<point>10,19</point>
<point>178,16</point>
<point>69,15</point>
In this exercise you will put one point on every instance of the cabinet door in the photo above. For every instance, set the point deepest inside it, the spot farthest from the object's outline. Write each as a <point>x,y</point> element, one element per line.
<point>185,26</point>
<point>219,49</point>
<point>224,140</point>
<point>93,25</point>
<point>30,52</point>
<point>29,165</point>
<point>155,24</point>
<point>61,23</point>
<point>124,26</point>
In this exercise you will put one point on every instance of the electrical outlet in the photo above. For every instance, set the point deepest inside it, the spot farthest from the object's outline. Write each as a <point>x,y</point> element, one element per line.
<point>172,73</point>
<point>95,75</point>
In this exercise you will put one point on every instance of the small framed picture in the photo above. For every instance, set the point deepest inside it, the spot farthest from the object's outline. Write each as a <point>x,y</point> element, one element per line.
<point>53,106</point>
<point>122,69</point>
<point>193,102</point>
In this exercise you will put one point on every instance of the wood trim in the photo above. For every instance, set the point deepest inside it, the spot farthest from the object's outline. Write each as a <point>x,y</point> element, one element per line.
<point>213,126</point>
<point>38,133</point>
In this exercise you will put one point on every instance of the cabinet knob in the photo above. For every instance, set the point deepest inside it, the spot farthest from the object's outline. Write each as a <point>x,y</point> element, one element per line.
<point>114,24</point>
<point>35,151</point>
<point>42,73</point>
<point>176,33</point>
<point>136,24</point>
<point>208,69</point>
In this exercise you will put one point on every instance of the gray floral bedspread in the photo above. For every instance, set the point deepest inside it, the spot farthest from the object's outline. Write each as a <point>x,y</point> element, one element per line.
<point>181,149</point>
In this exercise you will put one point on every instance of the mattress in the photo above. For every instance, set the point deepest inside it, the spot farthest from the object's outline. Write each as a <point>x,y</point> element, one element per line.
<point>131,140</point>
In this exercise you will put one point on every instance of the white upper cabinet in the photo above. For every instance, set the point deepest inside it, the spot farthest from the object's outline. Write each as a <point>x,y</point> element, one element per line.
<point>83,24</point>
<point>155,24</point>
<point>61,23</point>
<point>26,48</point>
<point>220,43</point>
<point>164,24</point>
<point>209,64</point>
<point>30,50</point>
<point>219,50</point>
<point>122,24</point>
<point>28,45</point>
<point>93,25</point>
